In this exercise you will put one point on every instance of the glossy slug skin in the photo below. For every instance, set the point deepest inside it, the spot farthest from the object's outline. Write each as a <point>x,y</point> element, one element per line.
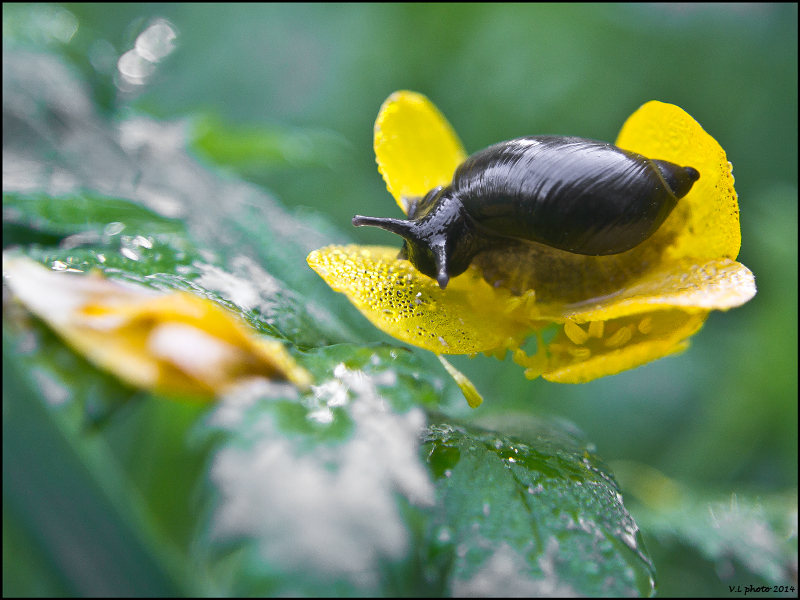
<point>572,194</point>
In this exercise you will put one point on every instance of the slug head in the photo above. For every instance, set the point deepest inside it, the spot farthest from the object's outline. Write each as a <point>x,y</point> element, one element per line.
<point>440,241</point>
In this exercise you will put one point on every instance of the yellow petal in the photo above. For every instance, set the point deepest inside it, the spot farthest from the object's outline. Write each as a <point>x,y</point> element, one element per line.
<point>625,343</point>
<point>174,344</point>
<point>415,147</point>
<point>706,221</point>
<point>467,317</point>
<point>715,284</point>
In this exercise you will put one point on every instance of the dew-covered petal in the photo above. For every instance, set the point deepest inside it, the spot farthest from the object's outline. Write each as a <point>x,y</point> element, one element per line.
<point>415,147</point>
<point>467,317</point>
<point>706,220</point>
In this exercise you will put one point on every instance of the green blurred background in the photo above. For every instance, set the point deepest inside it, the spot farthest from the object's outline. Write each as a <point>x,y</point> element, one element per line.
<point>720,418</point>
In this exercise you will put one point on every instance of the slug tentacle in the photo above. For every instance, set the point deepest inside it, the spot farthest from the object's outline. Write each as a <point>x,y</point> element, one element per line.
<point>399,226</point>
<point>570,194</point>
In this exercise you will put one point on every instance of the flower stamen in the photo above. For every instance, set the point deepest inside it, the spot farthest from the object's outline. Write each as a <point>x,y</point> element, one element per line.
<point>575,333</point>
<point>620,338</point>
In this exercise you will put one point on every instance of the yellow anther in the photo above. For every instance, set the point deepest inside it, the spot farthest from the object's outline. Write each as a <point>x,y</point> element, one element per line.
<point>645,325</point>
<point>620,338</point>
<point>596,329</point>
<point>575,333</point>
<point>580,353</point>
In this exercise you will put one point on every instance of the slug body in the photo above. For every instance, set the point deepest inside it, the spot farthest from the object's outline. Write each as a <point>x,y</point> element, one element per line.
<point>573,194</point>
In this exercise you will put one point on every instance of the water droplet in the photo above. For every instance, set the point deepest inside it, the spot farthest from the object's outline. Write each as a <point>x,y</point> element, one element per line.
<point>536,490</point>
<point>444,535</point>
<point>142,241</point>
<point>113,228</point>
<point>128,253</point>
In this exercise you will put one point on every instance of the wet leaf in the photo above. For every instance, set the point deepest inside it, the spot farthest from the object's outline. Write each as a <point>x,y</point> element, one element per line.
<point>530,518</point>
<point>339,489</point>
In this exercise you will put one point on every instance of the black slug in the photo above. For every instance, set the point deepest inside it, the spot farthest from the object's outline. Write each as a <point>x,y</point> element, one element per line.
<point>569,193</point>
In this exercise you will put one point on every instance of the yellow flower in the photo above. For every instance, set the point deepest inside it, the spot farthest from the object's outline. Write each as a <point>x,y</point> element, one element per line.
<point>171,343</point>
<point>611,313</point>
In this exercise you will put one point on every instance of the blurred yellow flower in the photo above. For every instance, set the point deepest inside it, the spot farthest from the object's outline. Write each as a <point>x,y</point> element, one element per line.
<point>611,313</point>
<point>172,343</point>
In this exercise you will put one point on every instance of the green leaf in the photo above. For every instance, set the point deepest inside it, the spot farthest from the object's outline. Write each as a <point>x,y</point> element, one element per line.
<point>751,538</point>
<point>253,148</point>
<point>302,495</point>
<point>358,487</point>
<point>85,539</point>
<point>307,488</point>
<point>85,212</point>
<point>530,518</point>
